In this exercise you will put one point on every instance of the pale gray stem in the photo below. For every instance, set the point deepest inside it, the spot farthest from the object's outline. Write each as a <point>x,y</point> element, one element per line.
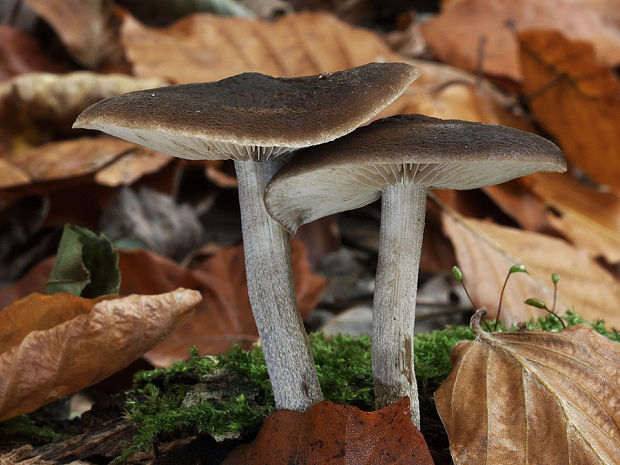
<point>270,286</point>
<point>402,226</point>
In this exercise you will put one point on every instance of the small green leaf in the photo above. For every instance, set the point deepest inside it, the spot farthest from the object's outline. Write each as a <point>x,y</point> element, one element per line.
<point>457,273</point>
<point>86,265</point>
<point>555,278</point>
<point>533,302</point>
<point>518,269</point>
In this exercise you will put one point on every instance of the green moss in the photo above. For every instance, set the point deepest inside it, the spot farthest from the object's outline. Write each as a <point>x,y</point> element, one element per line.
<point>158,403</point>
<point>23,425</point>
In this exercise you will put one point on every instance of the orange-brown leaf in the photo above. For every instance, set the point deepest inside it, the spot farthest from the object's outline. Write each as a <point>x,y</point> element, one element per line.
<point>588,217</point>
<point>533,397</point>
<point>576,99</point>
<point>59,344</point>
<point>331,434</point>
<point>486,251</point>
<point>204,47</point>
<point>455,35</point>
<point>88,28</point>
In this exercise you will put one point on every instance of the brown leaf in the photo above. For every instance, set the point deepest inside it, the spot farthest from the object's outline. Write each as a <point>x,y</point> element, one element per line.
<point>59,344</point>
<point>131,167</point>
<point>204,47</point>
<point>533,397</point>
<point>450,93</point>
<point>455,35</point>
<point>486,251</point>
<point>36,106</point>
<point>576,99</point>
<point>518,201</point>
<point>588,217</point>
<point>72,158</point>
<point>225,316</point>
<point>88,28</point>
<point>11,175</point>
<point>21,53</point>
<point>331,434</point>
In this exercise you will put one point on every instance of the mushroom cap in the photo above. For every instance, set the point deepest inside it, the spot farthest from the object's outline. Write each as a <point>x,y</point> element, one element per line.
<point>442,154</point>
<point>250,116</point>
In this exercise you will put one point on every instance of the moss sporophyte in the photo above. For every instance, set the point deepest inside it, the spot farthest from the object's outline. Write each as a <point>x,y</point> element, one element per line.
<point>229,394</point>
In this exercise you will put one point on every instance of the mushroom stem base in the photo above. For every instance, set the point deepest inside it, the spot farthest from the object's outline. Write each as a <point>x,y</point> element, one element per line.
<point>272,295</point>
<point>403,207</point>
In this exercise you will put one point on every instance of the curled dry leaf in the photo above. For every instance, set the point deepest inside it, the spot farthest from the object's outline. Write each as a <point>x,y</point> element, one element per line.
<point>88,28</point>
<point>576,99</point>
<point>588,217</point>
<point>58,344</point>
<point>455,35</point>
<point>332,434</point>
<point>485,252</point>
<point>533,397</point>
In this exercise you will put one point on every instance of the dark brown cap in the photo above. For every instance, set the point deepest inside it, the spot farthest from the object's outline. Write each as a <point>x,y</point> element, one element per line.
<point>250,115</point>
<point>444,154</point>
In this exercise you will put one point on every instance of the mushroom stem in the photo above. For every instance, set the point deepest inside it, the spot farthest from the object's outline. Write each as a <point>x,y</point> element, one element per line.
<point>272,294</point>
<point>402,226</point>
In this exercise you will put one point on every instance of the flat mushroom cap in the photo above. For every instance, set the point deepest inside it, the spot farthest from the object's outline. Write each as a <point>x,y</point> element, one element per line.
<point>250,115</point>
<point>442,154</point>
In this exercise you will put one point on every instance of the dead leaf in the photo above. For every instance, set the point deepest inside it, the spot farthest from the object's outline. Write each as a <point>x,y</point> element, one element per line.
<point>588,217</point>
<point>576,99</point>
<point>11,175</point>
<point>304,44</point>
<point>88,28</point>
<point>131,167</point>
<point>455,35</point>
<point>450,93</point>
<point>22,53</point>
<point>72,158</point>
<point>222,319</point>
<point>516,199</point>
<point>204,47</point>
<point>334,434</point>
<point>533,397</point>
<point>485,252</point>
<point>34,107</point>
<point>59,344</point>
<point>225,316</point>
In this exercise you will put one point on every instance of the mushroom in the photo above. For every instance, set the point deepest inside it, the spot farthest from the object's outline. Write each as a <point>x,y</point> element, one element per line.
<point>399,159</point>
<point>257,120</point>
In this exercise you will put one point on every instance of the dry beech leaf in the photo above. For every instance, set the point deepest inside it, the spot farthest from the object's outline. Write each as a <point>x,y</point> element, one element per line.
<point>455,35</point>
<point>517,200</point>
<point>72,158</point>
<point>588,217</point>
<point>486,251</point>
<point>303,44</point>
<point>22,53</point>
<point>61,97</point>
<point>11,176</point>
<point>332,434</point>
<point>205,47</point>
<point>576,99</point>
<point>131,167</point>
<point>534,397</point>
<point>223,318</point>
<point>57,344</point>
<point>88,28</point>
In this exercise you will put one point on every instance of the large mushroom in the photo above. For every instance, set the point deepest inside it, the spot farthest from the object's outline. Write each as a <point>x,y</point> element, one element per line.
<point>399,159</point>
<point>257,120</point>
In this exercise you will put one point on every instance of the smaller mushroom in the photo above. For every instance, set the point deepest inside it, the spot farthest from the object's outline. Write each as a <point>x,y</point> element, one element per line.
<point>257,121</point>
<point>399,159</point>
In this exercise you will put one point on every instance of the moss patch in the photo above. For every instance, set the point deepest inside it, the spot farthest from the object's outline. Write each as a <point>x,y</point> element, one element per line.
<point>158,404</point>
